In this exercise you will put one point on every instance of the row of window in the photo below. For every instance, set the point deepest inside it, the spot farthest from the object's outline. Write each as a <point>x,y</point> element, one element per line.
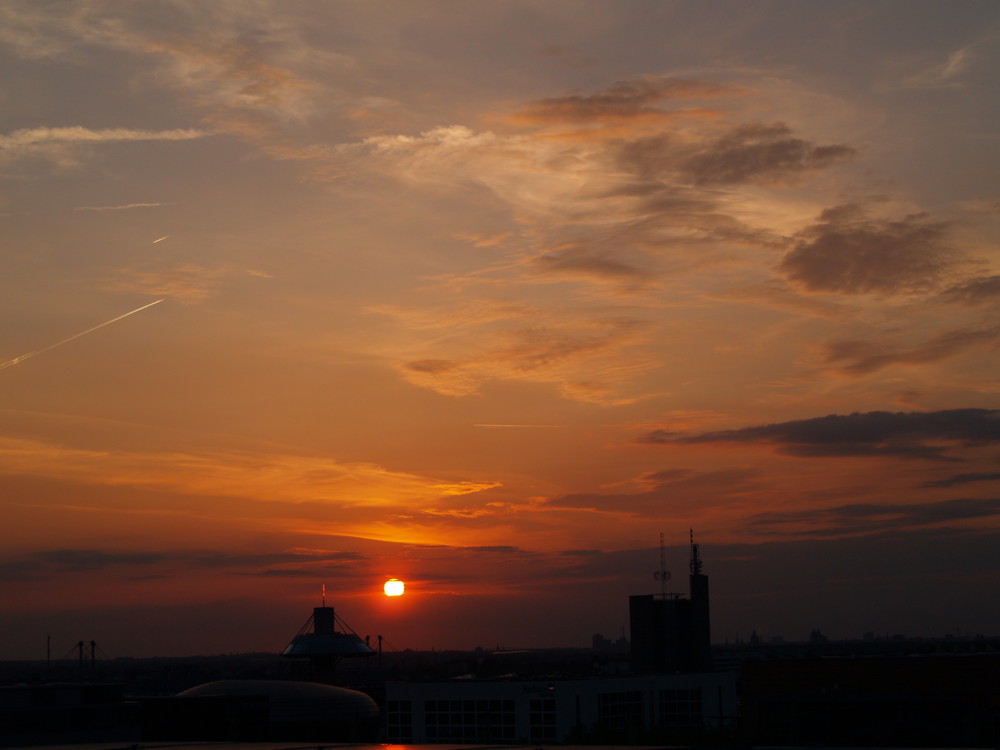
<point>478,720</point>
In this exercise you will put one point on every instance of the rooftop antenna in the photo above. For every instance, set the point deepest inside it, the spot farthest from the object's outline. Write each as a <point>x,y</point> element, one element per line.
<point>695,557</point>
<point>662,575</point>
<point>324,594</point>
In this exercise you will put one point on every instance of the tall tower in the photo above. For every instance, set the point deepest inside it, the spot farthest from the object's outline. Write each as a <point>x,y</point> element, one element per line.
<point>699,621</point>
<point>670,633</point>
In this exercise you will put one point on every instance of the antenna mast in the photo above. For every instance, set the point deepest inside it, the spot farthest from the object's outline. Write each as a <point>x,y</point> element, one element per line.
<point>695,557</point>
<point>662,575</point>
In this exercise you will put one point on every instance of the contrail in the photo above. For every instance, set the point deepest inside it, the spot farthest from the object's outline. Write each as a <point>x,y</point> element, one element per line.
<point>11,362</point>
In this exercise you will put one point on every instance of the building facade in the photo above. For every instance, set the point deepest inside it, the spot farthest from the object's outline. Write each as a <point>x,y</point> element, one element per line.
<point>675,706</point>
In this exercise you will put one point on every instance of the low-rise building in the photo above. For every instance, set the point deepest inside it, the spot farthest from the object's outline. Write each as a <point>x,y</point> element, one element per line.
<point>661,708</point>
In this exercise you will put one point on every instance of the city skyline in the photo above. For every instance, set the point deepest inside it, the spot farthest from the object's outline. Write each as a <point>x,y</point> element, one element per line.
<point>484,297</point>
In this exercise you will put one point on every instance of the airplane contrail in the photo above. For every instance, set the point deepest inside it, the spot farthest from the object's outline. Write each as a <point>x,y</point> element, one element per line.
<point>11,362</point>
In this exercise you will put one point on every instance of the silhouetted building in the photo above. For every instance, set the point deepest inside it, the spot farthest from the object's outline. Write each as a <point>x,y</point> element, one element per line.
<point>65,714</point>
<point>261,709</point>
<point>648,709</point>
<point>669,633</point>
<point>323,645</point>
<point>913,701</point>
<point>254,709</point>
<point>603,645</point>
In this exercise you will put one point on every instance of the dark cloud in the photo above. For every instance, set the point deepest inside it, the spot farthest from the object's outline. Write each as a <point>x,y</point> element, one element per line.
<point>648,235</point>
<point>670,475</point>
<point>864,357</point>
<point>902,434</point>
<point>539,347</point>
<point>659,209</point>
<point>47,563</point>
<point>849,252</point>
<point>19,570</point>
<point>666,488</point>
<point>89,559</point>
<point>283,573</point>
<point>579,261</point>
<point>758,153</point>
<point>977,291</point>
<point>959,479</point>
<point>431,366</point>
<point>860,518</point>
<point>743,154</point>
<point>275,558</point>
<point>625,99</point>
<point>504,549</point>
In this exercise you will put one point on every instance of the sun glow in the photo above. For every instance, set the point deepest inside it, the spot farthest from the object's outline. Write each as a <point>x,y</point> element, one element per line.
<point>394,587</point>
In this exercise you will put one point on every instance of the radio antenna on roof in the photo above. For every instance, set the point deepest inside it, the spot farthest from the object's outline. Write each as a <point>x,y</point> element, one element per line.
<point>662,575</point>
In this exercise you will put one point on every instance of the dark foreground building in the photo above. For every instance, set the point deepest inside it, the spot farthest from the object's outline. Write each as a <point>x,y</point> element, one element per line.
<point>256,709</point>
<point>262,710</point>
<point>677,709</point>
<point>62,713</point>
<point>916,701</point>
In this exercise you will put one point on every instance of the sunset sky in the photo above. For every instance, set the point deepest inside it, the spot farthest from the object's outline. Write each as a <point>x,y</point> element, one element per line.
<point>485,296</point>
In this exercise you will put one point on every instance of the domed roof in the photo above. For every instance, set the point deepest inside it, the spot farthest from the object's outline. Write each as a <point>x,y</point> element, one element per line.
<point>325,640</point>
<point>291,701</point>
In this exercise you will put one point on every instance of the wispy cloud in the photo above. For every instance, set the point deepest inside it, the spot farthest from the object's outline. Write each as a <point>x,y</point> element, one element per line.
<point>277,478</point>
<point>862,357</point>
<point>76,134</point>
<point>625,101</point>
<point>188,282</point>
<point>870,518</point>
<point>124,207</point>
<point>978,56</point>
<point>614,193</point>
<point>677,492</point>
<point>62,146</point>
<point>554,353</point>
<point>984,290</point>
<point>956,480</point>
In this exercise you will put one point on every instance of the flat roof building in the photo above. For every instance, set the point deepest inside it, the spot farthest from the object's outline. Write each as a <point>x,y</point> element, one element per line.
<point>641,708</point>
<point>669,633</point>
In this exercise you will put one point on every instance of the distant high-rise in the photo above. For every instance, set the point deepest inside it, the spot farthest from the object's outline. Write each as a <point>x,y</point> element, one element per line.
<point>669,633</point>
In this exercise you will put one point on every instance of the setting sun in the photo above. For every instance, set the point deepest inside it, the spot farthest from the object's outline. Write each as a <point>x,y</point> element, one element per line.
<point>394,587</point>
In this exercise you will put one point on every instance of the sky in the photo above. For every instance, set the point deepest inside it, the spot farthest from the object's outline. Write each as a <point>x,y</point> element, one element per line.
<point>487,296</point>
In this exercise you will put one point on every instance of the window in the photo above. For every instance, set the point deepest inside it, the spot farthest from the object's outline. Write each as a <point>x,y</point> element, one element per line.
<point>399,721</point>
<point>469,720</point>
<point>680,708</point>
<point>620,711</point>
<point>542,719</point>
